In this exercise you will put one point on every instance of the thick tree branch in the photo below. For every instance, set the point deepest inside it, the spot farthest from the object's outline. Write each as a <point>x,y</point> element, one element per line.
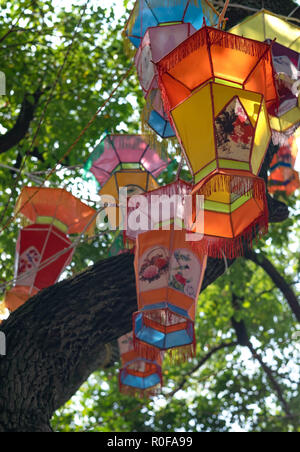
<point>279,281</point>
<point>21,127</point>
<point>201,363</point>
<point>244,340</point>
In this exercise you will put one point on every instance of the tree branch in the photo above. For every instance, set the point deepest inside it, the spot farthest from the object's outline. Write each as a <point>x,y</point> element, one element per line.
<point>21,127</point>
<point>279,281</point>
<point>201,363</point>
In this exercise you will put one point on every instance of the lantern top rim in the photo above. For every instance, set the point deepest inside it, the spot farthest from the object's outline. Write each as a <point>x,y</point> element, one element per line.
<point>59,204</point>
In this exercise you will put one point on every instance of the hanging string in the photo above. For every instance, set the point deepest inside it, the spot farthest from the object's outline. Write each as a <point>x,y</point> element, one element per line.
<point>249,8</point>
<point>56,256</point>
<point>180,166</point>
<point>222,15</point>
<point>43,115</point>
<point>70,149</point>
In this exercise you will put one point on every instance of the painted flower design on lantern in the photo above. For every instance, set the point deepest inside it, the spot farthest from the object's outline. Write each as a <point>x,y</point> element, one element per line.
<point>154,265</point>
<point>234,132</point>
<point>184,272</point>
<point>29,259</point>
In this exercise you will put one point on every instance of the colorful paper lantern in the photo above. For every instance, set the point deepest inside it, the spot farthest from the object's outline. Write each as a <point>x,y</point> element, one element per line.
<point>35,270</point>
<point>283,176</point>
<point>154,118</point>
<point>221,127</point>
<point>157,43</point>
<point>57,207</point>
<point>124,161</point>
<point>214,55</point>
<point>169,276</point>
<point>41,253</point>
<point>235,213</point>
<point>118,153</point>
<point>266,26</point>
<point>168,273</point>
<point>154,13</point>
<point>138,376</point>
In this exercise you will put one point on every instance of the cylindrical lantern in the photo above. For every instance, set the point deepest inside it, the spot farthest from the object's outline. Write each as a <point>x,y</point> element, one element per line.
<point>42,246</point>
<point>153,13</point>
<point>265,26</point>
<point>138,376</point>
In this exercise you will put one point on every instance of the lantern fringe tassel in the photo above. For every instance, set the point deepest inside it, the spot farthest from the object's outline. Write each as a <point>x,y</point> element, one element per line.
<point>212,37</point>
<point>282,138</point>
<point>241,185</point>
<point>140,393</point>
<point>216,247</point>
<point>162,320</point>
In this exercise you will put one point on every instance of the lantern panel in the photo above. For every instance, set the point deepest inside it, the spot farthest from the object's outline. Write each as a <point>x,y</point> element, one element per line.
<point>235,60</point>
<point>135,181</point>
<point>157,43</point>
<point>229,123</point>
<point>161,208</point>
<point>36,244</point>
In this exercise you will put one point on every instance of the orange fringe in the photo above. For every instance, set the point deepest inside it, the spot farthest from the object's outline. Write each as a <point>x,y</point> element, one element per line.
<point>217,247</point>
<point>242,185</point>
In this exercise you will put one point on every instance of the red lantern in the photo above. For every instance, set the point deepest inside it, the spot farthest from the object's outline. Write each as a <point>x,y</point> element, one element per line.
<point>35,270</point>
<point>43,248</point>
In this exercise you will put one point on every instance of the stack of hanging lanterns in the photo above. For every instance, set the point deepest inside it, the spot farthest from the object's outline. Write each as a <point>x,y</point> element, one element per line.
<point>267,26</point>
<point>155,28</point>
<point>168,272</point>
<point>43,247</point>
<point>285,118</point>
<point>215,90</point>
